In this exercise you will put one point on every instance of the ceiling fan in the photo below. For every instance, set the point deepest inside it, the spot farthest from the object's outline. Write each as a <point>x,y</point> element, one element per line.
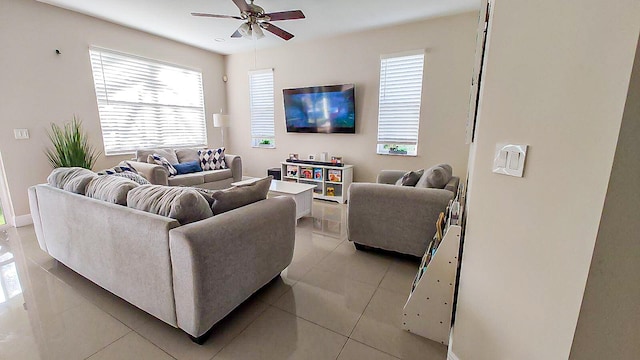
<point>256,19</point>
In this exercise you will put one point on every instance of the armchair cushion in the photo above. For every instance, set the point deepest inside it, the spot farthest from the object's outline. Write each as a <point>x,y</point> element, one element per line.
<point>410,178</point>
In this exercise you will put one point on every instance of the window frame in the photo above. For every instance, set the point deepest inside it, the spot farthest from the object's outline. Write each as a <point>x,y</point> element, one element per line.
<point>385,143</point>
<point>122,118</point>
<point>262,140</point>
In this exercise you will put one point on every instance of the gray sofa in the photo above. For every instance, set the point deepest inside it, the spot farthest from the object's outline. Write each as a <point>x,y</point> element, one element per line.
<point>209,179</point>
<point>396,218</point>
<point>189,276</point>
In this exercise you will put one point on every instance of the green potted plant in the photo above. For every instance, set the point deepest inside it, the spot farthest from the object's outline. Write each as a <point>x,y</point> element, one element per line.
<point>70,146</point>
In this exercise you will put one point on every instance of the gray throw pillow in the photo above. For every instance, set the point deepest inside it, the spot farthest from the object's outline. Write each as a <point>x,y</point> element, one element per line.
<point>181,203</point>
<point>226,200</point>
<point>110,188</point>
<point>187,155</point>
<point>169,154</point>
<point>73,179</point>
<point>410,178</point>
<point>437,178</point>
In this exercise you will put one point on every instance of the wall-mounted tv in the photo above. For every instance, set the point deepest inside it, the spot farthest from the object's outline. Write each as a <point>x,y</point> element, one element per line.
<point>320,109</point>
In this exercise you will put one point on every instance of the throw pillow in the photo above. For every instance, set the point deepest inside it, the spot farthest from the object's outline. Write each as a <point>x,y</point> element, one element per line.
<point>212,159</point>
<point>73,179</point>
<point>117,169</point>
<point>410,178</point>
<point>188,167</point>
<point>160,160</point>
<point>169,154</point>
<point>226,200</point>
<point>181,203</point>
<point>110,188</point>
<point>132,176</point>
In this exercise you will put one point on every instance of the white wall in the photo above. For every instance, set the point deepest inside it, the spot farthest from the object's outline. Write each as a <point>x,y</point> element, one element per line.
<point>355,58</point>
<point>556,78</point>
<point>609,317</point>
<point>38,87</point>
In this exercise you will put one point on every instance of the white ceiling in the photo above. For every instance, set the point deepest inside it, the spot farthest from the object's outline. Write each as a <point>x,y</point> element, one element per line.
<point>171,18</point>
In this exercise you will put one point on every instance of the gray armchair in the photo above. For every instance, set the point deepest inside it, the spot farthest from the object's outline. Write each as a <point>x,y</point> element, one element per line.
<point>396,218</point>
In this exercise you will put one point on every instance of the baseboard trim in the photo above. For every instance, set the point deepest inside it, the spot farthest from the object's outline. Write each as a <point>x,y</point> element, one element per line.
<point>23,220</point>
<point>451,355</point>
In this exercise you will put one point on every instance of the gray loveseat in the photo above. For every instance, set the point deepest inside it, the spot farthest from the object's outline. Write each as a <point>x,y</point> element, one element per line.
<point>397,218</point>
<point>189,276</point>
<point>209,179</point>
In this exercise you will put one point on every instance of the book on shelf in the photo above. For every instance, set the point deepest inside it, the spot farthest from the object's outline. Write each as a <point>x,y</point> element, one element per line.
<point>306,173</point>
<point>335,175</point>
<point>317,173</point>
<point>292,170</point>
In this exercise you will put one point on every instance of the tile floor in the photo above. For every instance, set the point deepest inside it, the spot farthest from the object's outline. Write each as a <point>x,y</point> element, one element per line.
<point>332,302</point>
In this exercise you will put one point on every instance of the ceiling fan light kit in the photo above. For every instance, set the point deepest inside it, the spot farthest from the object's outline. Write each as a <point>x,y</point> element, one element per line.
<point>255,19</point>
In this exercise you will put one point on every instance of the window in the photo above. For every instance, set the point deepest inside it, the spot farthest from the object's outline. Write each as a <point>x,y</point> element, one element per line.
<point>263,132</point>
<point>146,104</point>
<point>399,103</point>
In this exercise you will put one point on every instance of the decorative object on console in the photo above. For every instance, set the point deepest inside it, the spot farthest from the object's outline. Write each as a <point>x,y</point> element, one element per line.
<point>336,159</point>
<point>162,161</point>
<point>212,159</point>
<point>221,121</point>
<point>311,157</point>
<point>293,156</point>
<point>324,156</point>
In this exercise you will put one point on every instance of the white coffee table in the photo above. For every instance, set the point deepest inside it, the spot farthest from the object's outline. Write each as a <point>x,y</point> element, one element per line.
<point>301,193</point>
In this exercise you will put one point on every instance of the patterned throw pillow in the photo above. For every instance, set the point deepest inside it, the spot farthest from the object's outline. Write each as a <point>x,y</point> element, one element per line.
<point>160,160</point>
<point>212,159</point>
<point>133,176</point>
<point>122,167</point>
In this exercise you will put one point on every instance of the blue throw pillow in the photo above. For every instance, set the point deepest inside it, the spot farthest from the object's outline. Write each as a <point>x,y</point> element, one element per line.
<point>188,167</point>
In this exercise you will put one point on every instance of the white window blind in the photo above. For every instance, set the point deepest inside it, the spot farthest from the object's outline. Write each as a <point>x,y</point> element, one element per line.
<point>399,101</point>
<point>147,104</point>
<point>262,108</point>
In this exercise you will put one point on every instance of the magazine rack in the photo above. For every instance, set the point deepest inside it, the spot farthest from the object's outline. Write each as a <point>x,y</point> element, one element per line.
<point>428,310</point>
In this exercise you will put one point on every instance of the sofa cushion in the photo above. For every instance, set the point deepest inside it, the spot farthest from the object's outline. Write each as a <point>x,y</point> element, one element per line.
<point>133,176</point>
<point>110,188</point>
<point>434,177</point>
<point>217,175</point>
<point>192,179</point>
<point>447,168</point>
<point>72,179</point>
<point>410,178</point>
<point>162,161</point>
<point>169,154</point>
<point>226,200</point>
<point>187,155</point>
<point>181,203</point>
<point>188,167</point>
<point>212,159</point>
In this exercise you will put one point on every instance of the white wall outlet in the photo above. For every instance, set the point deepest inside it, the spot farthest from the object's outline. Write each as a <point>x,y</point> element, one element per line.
<point>509,159</point>
<point>21,134</point>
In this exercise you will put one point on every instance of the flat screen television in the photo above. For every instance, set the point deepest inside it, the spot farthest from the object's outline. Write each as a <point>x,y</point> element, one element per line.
<point>320,109</point>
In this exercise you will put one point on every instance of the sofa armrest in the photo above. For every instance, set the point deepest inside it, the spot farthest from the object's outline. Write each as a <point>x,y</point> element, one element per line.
<point>397,218</point>
<point>221,261</point>
<point>452,185</point>
<point>154,173</point>
<point>234,162</point>
<point>389,176</point>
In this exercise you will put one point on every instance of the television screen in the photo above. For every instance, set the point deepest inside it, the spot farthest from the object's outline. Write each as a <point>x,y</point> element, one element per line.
<point>320,109</point>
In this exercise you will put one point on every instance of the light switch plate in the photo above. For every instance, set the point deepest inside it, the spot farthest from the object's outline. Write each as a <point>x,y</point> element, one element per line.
<point>509,159</point>
<point>21,134</point>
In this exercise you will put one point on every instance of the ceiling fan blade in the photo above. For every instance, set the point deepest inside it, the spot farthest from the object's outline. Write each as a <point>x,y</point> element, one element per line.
<point>217,16</point>
<point>276,30</point>
<point>285,15</point>
<point>242,5</point>
<point>236,34</point>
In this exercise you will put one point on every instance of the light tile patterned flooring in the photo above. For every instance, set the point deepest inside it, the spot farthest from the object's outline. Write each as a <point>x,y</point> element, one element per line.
<point>332,302</point>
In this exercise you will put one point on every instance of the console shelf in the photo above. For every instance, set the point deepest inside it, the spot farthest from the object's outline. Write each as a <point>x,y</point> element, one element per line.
<point>332,182</point>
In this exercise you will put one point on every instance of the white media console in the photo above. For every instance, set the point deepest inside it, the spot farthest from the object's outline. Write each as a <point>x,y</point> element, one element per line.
<point>331,182</point>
